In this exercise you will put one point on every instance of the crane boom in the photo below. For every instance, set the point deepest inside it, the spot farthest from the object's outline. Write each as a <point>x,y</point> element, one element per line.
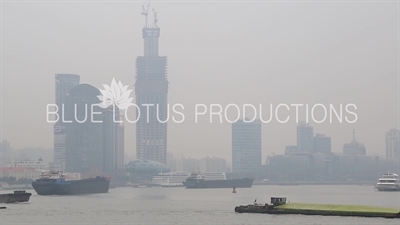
<point>155,18</point>
<point>145,12</point>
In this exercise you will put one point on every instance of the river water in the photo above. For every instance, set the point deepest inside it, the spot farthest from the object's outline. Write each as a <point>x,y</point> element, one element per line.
<point>156,205</point>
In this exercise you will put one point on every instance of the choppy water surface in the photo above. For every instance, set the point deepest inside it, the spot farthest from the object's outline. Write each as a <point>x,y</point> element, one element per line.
<point>192,206</point>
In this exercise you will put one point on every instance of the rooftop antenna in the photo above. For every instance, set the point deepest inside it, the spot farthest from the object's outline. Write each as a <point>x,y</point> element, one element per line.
<point>354,135</point>
<point>155,18</point>
<point>145,12</point>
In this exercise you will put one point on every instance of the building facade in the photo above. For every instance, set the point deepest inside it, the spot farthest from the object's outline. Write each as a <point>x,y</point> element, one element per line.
<point>151,90</point>
<point>34,164</point>
<point>63,84</point>
<point>246,148</point>
<point>113,142</point>
<point>322,144</point>
<point>353,147</point>
<point>392,144</point>
<point>95,136</point>
<point>20,172</point>
<point>305,138</point>
<point>84,140</point>
<point>213,165</point>
<point>5,152</point>
<point>290,149</point>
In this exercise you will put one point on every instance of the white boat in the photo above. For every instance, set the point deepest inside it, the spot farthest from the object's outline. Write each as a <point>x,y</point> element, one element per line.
<point>388,182</point>
<point>169,179</point>
<point>213,176</point>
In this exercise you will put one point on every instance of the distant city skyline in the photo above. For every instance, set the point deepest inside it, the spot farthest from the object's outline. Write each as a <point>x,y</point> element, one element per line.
<point>306,53</point>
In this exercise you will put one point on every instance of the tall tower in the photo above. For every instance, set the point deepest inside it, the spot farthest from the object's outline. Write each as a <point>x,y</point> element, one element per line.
<point>63,84</point>
<point>151,90</point>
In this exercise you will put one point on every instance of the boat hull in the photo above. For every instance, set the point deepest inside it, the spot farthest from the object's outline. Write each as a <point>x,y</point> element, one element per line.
<point>315,211</point>
<point>75,187</point>
<point>200,183</point>
<point>16,197</point>
<point>387,188</point>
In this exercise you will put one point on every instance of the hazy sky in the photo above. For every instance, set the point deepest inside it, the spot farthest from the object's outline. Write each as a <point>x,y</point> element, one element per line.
<point>221,52</point>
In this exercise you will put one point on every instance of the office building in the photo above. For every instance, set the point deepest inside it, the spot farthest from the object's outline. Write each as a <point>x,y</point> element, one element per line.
<point>305,138</point>
<point>246,148</point>
<point>290,149</point>
<point>63,84</point>
<point>212,165</point>
<point>322,144</point>
<point>5,153</point>
<point>84,140</point>
<point>94,139</point>
<point>113,142</point>
<point>392,144</point>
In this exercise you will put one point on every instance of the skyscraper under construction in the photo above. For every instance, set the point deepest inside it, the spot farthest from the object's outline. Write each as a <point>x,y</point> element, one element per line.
<point>151,89</point>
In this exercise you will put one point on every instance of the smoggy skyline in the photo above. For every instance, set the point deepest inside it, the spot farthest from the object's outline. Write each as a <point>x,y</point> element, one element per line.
<point>222,53</point>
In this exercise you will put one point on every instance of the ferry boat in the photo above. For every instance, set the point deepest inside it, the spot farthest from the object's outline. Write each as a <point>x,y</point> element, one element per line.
<point>169,179</point>
<point>55,183</point>
<point>388,182</point>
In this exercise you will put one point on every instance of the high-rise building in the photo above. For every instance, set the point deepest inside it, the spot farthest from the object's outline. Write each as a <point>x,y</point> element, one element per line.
<point>120,153</point>
<point>84,140</point>
<point>322,144</point>
<point>94,140</point>
<point>305,138</point>
<point>290,149</point>
<point>151,87</point>
<point>113,142</point>
<point>246,148</point>
<point>392,144</point>
<point>213,165</point>
<point>63,84</point>
<point>5,153</point>
<point>187,165</point>
<point>353,147</point>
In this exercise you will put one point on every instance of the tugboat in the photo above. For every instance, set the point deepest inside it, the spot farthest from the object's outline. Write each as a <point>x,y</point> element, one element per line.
<point>17,196</point>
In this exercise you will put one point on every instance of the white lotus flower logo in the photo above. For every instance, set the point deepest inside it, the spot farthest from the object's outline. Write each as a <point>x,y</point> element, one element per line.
<point>117,95</point>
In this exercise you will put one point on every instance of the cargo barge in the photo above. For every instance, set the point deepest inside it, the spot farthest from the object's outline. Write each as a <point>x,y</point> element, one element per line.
<point>279,206</point>
<point>199,181</point>
<point>17,196</point>
<point>55,183</point>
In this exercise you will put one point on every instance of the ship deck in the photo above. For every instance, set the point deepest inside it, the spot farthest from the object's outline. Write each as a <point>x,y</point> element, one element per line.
<point>337,208</point>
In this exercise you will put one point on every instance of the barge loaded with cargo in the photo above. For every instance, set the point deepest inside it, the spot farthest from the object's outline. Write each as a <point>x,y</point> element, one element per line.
<point>17,196</point>
<point>279,206</point>
<point>199,180</point>
<point>55,183</point>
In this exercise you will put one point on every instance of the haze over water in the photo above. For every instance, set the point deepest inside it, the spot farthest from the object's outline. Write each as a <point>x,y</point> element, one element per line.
<point>193,206</point>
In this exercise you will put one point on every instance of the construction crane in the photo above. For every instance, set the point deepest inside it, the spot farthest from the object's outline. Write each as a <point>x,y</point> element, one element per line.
<point>155,18</point>
<point>145,12</point>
